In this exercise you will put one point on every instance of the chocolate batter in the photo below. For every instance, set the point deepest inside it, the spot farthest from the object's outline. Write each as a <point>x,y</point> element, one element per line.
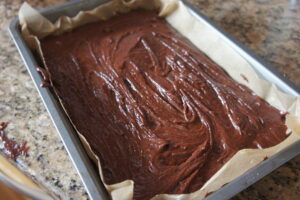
<point>154,108</point>
<point>11,148</point>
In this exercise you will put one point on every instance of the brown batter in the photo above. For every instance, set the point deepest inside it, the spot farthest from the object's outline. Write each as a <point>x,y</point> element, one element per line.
<point>154,108</point>
<point>11,148</point>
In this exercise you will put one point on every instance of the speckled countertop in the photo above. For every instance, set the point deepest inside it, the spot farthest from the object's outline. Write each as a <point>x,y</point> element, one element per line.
<point>269,28</point>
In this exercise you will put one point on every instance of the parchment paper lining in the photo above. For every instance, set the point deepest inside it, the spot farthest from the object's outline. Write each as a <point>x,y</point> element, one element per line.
<point>35,27</point>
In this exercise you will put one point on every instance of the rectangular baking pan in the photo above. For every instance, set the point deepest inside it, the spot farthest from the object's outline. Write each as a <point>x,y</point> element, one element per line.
<point>79,157</point>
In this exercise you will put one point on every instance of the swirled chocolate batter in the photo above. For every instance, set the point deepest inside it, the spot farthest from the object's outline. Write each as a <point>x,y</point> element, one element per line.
<point>154,108</point>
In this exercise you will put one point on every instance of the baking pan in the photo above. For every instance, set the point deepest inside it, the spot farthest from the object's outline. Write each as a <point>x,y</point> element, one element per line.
<point>79,157</point>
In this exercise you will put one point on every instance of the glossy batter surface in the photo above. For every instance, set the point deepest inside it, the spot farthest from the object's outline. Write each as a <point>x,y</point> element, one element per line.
<point>154,108</point>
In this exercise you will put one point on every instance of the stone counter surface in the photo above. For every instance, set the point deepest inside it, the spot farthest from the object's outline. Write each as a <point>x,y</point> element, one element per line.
<point>270,28</point>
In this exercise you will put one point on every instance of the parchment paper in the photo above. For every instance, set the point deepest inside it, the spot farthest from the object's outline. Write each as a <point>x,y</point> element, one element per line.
<point>35,27</point>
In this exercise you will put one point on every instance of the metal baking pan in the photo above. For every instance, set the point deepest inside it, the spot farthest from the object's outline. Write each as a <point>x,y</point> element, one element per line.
<point>79,157</point>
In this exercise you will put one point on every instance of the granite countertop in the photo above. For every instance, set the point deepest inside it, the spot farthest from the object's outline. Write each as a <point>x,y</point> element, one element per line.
<point>270,28</point>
